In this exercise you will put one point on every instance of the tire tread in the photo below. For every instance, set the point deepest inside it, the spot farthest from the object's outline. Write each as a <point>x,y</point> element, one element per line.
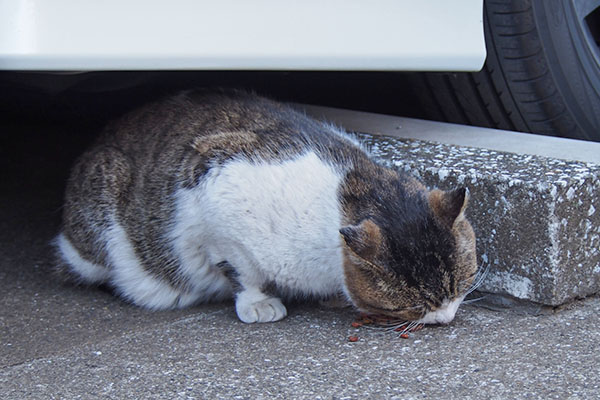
<point>514,90</point>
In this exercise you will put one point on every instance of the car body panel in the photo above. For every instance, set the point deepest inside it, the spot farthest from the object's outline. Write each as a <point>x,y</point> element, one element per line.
<point>87,35</point>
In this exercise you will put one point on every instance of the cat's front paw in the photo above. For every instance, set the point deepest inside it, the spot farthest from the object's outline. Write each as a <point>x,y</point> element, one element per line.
<point>252,306</point>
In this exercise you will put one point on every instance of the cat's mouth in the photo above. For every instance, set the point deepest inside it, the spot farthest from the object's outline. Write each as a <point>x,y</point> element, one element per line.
<point>442,315</point>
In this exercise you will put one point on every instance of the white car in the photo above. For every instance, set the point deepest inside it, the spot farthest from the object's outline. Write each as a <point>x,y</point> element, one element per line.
<point>542,72</point>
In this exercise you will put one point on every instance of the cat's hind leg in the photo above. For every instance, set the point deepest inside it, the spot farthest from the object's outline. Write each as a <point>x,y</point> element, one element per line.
<point>76,267</point>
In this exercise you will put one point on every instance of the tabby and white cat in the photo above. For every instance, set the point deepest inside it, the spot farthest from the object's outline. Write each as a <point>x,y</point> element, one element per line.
<point>204,196</point>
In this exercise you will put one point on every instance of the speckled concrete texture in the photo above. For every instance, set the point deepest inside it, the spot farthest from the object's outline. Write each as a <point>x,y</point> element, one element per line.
<point>209,355</point>
<point>58,341</point>
<point>537,219</point>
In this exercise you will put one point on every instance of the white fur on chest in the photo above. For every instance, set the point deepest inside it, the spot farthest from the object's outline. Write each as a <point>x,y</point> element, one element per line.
<point>272,221</point>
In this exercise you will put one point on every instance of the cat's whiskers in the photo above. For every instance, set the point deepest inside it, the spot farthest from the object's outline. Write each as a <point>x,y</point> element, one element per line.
<point>478,281</point>
<point>413,325</point>
<point>407,328</point>
<point>400,326</point>
<point>474,300</point>
<point>397,326</point>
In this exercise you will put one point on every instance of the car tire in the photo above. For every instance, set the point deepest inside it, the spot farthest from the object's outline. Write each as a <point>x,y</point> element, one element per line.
<point>541,75</point>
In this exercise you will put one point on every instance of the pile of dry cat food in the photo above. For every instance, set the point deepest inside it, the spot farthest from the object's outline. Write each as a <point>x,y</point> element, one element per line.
<point>385,323</point>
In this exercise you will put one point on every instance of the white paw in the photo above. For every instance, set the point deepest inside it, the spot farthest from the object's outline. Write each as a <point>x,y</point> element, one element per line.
<point>257,307</point>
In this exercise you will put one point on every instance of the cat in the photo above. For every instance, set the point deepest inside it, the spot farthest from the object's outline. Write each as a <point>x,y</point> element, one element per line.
<point>208,195</point>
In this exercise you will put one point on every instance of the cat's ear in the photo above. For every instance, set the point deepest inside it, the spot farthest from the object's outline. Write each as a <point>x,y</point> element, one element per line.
<point>363,239</point>
<point>449,206</point>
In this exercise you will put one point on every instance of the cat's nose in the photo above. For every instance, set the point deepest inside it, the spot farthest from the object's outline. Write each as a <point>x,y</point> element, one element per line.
<point>444,314</point>
<point>440,316</point>
<point>444,317</point>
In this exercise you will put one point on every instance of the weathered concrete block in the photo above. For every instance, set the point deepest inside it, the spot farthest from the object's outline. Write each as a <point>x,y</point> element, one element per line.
<point>537,219</point>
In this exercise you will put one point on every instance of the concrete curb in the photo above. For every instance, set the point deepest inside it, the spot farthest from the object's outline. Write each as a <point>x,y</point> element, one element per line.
<point>537,218</point>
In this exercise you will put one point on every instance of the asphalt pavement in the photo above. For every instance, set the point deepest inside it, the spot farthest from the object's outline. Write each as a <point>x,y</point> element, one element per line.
<point>58,341</point>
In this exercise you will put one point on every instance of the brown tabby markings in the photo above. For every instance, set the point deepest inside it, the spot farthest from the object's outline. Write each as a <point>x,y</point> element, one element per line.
<point>406,250</point>
<point>383,290</point>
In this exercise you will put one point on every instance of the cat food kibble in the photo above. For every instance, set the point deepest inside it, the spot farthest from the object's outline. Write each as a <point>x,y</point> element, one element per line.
<point>387,323</point>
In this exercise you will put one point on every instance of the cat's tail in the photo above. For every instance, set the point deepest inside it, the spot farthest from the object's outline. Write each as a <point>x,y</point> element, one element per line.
<point>71,266</point>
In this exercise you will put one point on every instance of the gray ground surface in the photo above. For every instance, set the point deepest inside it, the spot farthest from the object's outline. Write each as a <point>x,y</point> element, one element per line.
<point>59,341</point>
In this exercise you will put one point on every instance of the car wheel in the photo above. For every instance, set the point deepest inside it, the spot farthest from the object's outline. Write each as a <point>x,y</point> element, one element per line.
<point>541,75</point>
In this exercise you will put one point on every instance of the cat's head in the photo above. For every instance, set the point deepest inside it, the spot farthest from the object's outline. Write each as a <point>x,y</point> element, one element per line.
<point>416,264</point>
